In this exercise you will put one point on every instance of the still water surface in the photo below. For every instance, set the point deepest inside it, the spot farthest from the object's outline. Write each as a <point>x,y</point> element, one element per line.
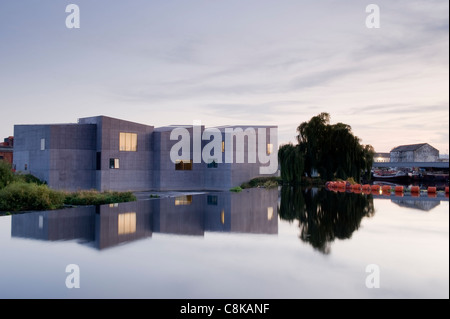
<point>255,244</point>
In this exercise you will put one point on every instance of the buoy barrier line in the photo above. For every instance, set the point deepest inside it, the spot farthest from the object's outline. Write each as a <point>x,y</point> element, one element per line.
<point>386,190</point>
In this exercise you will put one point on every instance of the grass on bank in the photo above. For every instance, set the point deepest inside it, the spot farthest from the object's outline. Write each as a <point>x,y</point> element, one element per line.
<point>25,192</point>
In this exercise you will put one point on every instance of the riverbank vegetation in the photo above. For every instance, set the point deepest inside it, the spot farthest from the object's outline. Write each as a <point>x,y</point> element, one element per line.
<point>28,193</point>
<point>324,152</point>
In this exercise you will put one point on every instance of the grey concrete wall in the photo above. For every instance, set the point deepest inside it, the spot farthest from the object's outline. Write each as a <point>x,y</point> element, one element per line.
<point>166,177</point>
<point>135,168</point>
<point>27,150</point>
<point>72,156</point>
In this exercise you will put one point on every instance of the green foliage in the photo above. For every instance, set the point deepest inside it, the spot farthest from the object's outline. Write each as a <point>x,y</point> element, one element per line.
<point>93,197</point>
<point>267,182</point>
<point>20,196</point>
<point>154,196</point>
<point>236,189</point>
<point>28,178</point>
<point>6,174</point>
<point>324,216</point>
<point>332,150</point>
<point>291,163</point>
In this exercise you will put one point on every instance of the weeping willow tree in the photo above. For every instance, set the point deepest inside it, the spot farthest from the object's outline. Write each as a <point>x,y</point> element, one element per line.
<point>331,150</point>
<point>291,163</point>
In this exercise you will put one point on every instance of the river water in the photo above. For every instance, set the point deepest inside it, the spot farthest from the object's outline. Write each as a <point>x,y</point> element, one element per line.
<point>260,243</point>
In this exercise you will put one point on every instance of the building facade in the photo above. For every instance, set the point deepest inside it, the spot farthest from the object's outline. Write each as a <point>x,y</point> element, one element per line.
<point>381,157</point>
<point>414,153</point>
<point>105,153</point>
<point>6,150</point>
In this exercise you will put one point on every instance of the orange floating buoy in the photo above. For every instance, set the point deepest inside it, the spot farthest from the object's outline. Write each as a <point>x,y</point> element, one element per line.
<point>356,187</point>
<point>415,189</point>
<point>386,190</point>
<point>366,187</point>
<point>398,189</point>
<point>446,190</point>
<point>375,188</point>
<point>431,190</point>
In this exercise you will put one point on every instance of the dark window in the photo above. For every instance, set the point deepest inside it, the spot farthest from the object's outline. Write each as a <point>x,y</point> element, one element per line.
<point>1,157</point>
<point>99,161</point>
<point>114,163</point>
<point>212,200</point>
<point>26,166</point>
<point>213,164</point>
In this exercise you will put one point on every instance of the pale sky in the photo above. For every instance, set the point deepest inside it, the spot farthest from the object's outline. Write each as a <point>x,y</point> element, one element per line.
<point>231,62</point>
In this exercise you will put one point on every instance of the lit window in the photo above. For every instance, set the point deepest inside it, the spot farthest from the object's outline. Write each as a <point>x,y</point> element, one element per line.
<point>114,163</point>
<point>223,146</point>
<point>183,165</point>
<point>126,223</point>
<point>222,217</point>
<point>269,213</point>
<point>128,142</point>
<point>183,200</point>
<point>269,149</point>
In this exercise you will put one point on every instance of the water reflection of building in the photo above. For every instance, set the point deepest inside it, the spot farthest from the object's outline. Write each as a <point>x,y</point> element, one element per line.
<point>120,223</point>
<point>421,204</point>
<point>251,211</point>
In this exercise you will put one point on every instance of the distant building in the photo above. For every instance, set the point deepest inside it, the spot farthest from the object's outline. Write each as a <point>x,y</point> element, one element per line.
<point>105,153</point>
<point>381,157</point>
<point>423,152</point>
<point>6,149</point>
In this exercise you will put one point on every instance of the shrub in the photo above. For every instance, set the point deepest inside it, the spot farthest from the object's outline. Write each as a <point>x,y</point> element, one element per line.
<point>93,197</point>
<point>236,189</point>
<point>20,196</point>
<point>28,178</point>
<point>6,174</point>
<point>267,182</point>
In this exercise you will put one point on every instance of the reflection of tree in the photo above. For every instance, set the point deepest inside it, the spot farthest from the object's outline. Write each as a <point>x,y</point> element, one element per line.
<point>324,215</point>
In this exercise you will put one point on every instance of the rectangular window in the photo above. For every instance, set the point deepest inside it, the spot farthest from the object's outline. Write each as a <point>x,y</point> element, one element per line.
<point>269,149</point>
<point>42,144</point>
<point>114,163</point>
<point>212,200</point>
<point>128,142</point>
<point>183,165</point>
<point>183,200</point>
<point>223,146</point>
<point>99,161</point>
<point>126,223</point>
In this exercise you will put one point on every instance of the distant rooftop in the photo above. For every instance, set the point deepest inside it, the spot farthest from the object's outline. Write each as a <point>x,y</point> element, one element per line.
<point>406,148</point>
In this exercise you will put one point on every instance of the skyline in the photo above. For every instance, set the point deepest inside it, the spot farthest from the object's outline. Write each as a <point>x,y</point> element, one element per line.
<point>231,63</point>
